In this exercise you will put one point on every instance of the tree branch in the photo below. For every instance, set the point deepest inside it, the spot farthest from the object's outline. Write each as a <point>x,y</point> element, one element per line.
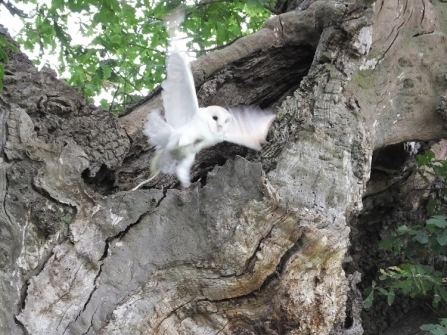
<point>13,9</point>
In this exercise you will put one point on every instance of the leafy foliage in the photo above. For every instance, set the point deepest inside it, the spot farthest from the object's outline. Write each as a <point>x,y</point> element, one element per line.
<point>124,41</point>
<point>5,45</point>
<point>430,167</point>
<point>424,247</point>
<point>411,279</point>
<point>439,329</point>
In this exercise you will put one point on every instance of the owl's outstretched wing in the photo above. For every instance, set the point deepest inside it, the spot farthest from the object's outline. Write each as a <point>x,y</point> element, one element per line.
<point>248,127</point>
<point>179,92</point>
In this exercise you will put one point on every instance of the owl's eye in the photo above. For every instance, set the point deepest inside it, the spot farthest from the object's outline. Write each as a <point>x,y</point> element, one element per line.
<point>215,118</point>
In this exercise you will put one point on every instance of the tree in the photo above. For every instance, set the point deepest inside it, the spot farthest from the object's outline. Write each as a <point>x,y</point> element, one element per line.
<point>125,53</point>
<point>259,244</point>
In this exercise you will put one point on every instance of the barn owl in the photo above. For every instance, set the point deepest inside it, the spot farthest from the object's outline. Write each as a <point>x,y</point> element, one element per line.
<point>188,128</point>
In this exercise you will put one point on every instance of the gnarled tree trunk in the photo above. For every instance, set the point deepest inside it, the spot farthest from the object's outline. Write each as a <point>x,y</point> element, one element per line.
<point>257,245</point>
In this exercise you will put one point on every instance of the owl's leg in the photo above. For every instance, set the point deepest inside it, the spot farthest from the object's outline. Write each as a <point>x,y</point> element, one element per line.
<point>183,170</point>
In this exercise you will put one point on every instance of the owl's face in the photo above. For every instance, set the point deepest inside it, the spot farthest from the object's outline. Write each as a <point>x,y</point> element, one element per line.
<point>218,119</point>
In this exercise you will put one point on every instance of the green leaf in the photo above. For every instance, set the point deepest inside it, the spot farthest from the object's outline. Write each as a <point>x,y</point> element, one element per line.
<point>438,220</point>
<point>107,71</point>
<point>438,330</point>
<point>442,239</point>
<point>442,292</point>
<point>425,160</point>
<point>104,104</point>
<point>430,155</point>
<point>403,229</point>
<point>390,297</point>
<point>434,329</point>
<point>427,327</point>
<point>421,237</point>
<point>3,56</point>
<point>367,303</point>
<point>387,243</point>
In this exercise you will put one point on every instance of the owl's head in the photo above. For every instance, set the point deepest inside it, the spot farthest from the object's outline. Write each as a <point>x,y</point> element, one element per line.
<point>218,119</point>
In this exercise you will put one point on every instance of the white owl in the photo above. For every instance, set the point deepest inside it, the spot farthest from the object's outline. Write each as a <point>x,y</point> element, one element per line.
<point>188,129</point>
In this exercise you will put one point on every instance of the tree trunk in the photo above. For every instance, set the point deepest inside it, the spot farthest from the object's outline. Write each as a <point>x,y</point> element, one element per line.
<point>257,245</point>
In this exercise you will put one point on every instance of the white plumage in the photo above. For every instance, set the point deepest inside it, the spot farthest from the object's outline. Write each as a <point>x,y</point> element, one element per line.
<point>188,129</point>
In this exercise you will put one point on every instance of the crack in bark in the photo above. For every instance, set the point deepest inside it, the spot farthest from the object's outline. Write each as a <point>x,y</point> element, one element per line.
<point>282,264</point>
<point>381,6</point>
<point>394,39</point>
<point>91,321</point>
<point>33,273</point>
<point>90,295</point>
<point>162,198</point>
<point>250,263</point>
<point>4,198</point>
<point>119,236</point>
<point>68,291</point>
<point>62,318</point>
<point>282,29</point>
<point>405,8</point>
<point>424,33</point>
<point>270,279</point>
<point>122,233</point>
<point>172,312</point>
<point>21,326</point>
<point>220,330</point>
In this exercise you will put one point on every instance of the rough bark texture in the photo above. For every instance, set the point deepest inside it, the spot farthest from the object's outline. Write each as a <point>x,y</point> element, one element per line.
<point>260,244</point>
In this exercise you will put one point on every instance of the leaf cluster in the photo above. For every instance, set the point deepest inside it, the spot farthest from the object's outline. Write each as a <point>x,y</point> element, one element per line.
<point>436,329</point>
<point>5,46</point>
<point>119,45</point>
<point>424,247</point>
<point>431,168</point>
<point>428,165</point>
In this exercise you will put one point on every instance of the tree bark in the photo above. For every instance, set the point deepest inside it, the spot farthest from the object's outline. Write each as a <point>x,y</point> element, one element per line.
<point>258,245</point>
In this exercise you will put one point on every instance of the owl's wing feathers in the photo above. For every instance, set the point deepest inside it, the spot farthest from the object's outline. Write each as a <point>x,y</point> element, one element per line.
<point>157,130</point>
<point>179,91</point>
<point>248,127</point>
<point>173,21</point>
